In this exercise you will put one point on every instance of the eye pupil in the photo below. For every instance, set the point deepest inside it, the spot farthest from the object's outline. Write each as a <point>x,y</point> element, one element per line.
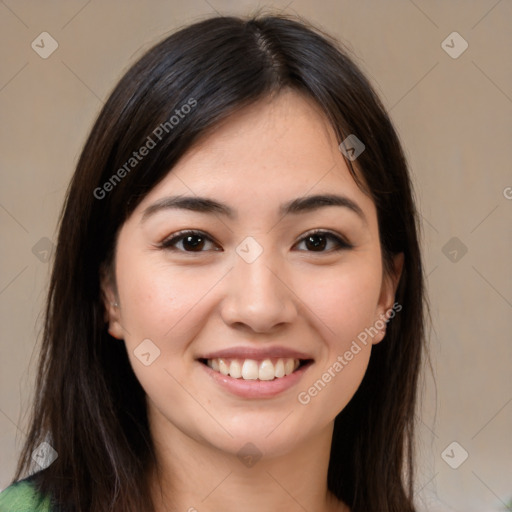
<point>199,244</point>
<point>313,239</point>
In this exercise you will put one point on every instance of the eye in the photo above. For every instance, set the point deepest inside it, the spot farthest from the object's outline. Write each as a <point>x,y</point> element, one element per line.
<point>190,240</point>
<point>317,241</point>
<point>195,241</point>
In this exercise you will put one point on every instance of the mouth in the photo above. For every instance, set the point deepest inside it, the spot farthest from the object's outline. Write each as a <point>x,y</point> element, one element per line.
<point>268,369</point>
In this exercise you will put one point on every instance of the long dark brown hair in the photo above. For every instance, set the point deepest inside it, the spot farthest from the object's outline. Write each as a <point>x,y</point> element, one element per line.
<point>88,402</point>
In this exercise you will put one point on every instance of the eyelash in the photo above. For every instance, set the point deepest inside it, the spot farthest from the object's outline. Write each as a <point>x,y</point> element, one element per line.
<point>169,243</point>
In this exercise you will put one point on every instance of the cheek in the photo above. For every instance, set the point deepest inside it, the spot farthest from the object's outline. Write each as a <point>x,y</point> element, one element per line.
<point>160,302</point>
<point>344,300</point>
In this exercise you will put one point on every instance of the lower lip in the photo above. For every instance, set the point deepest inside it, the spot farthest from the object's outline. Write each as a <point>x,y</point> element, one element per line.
<point>257,388</point>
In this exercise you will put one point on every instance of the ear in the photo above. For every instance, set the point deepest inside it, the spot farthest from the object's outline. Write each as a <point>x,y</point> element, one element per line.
<point>111,304</point>
<point>387,296</point>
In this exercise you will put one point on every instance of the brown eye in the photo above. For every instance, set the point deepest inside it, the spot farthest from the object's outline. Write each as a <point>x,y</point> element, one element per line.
<point>195,242</point>
<point>191,241</point>
<point>318,241</point>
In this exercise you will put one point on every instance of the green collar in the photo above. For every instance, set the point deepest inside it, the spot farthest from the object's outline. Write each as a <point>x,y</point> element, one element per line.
<point>23,497</point>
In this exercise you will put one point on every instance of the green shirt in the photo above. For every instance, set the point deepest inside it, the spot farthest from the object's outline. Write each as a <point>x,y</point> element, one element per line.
<point>22,497</point>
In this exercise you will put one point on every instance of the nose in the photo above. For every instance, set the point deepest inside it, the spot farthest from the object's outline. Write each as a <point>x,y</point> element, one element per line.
<point>258,296</point>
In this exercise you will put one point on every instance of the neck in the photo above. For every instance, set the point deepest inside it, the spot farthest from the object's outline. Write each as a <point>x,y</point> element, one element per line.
<point>195,477</point>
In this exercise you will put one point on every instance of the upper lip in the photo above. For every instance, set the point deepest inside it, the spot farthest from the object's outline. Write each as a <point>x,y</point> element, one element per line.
<point>256,353</point>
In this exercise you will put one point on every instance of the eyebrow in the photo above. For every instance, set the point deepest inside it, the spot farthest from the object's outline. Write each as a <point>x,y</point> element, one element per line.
<point>295,206</point>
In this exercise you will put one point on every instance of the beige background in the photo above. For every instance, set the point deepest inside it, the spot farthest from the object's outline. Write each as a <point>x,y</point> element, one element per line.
<point>454,117</point>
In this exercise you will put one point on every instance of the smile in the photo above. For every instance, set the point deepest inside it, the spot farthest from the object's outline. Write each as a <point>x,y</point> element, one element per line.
<point>252,369</point>
<point>255,378</point>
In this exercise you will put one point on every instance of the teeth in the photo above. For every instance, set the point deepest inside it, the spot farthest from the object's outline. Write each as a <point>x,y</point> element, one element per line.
<point>235,370</point>
<point>223,367</point>
<point>288,366</point>
<point>267,371</point>
<point>279,369</point>
<point>250,369</point>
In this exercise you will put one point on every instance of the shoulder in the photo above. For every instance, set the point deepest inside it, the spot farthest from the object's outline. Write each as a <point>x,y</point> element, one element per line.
<point>22,496</point>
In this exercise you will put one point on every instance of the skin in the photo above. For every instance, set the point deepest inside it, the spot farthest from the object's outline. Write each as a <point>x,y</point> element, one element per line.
<point>191,303</point>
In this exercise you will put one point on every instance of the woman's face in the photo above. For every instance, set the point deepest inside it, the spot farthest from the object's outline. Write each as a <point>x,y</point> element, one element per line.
<point>255,292</point>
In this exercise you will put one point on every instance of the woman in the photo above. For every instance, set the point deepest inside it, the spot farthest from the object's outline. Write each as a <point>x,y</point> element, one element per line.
<point>236,311</point>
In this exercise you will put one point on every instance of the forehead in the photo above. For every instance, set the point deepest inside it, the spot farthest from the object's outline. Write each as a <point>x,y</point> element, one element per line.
<point>272,151</point>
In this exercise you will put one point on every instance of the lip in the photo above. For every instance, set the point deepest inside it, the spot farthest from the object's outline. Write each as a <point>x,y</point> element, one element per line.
<point>257,388</point>
<point>256,353</point>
